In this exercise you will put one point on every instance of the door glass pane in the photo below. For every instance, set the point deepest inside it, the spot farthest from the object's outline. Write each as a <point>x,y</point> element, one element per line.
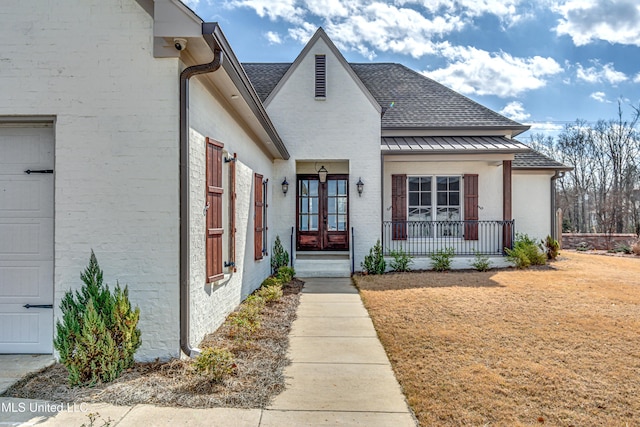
<point>313,188</point>
<point>442,198</point>
<point>304,187</point>
<point>342,222</point>
<point>332,187</point>
<point>342,187</point>
<point>304,205</point>
<point>304,222</point>
<point>313,205</point>
<point>342,205</point>
<point>414,184</point>
<point>331,205</point>
<point>313,223</point>
<point>332,222</point>
<point>442,183</point>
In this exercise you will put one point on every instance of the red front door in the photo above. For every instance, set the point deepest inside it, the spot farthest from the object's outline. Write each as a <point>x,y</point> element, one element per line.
<point>323,213</point>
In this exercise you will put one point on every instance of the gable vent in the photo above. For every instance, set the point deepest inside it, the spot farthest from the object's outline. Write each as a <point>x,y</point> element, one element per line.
<point>321,76</point>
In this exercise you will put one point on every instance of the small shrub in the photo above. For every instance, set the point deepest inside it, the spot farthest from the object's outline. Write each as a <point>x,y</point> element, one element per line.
<point>285,274</point>
<point>271,281</point>
<point>215,364</point>
<point>525,252</point>
<point>622,248</point>
<point>255,300</point>
<point>401,261</point>
<point>582,247</point>
<point>441,260</point>
<point>279,256</point>
<point>552,248</point>
<point>98,335</point>
<point>636,248</point>
<point>374,263</point>
<point>270,293</point>
<point>481,262</point>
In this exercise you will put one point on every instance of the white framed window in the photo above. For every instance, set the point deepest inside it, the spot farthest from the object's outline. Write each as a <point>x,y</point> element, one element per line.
<point>434,206</point>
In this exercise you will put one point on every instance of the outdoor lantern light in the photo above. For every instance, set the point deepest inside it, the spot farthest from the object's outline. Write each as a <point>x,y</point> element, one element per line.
<point>322,174</point>
<point>360,186</point>
<point>285,186</point>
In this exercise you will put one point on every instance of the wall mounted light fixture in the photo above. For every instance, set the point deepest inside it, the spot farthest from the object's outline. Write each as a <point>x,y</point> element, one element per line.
<point>360,186</point>
<point>285,186</point>
<point>322,174</point>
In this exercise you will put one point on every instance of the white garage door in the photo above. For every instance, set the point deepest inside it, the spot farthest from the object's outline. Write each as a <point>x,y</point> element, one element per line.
<point>26,238</point>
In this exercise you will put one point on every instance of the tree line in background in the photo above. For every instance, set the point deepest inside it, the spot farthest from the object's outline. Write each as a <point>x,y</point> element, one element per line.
<point>602,192</point>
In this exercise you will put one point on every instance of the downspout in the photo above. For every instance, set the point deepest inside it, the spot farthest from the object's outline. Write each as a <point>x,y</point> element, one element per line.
<point>556,175</point>
<point>207,32</point>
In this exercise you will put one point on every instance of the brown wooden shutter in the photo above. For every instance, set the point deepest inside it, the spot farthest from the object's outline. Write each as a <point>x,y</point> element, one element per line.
<point>232,212</point>
<point>258,216</point>
<point>471,206</point>
<point>399,207</point>
<point>214,211</point>
<point>321,76</point>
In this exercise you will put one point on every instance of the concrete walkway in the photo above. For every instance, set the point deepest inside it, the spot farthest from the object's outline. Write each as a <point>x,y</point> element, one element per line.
<point>339,375</point>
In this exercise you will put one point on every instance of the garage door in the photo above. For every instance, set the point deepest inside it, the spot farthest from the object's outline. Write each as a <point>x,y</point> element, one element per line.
<point>26,238</point>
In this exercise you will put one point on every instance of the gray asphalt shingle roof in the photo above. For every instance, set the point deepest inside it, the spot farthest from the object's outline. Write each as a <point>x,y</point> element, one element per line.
<point>535,160</point>
<point>410,99</point>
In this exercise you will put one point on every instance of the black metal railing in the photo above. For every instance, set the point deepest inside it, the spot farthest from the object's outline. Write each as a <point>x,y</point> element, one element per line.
<point>422,238</point>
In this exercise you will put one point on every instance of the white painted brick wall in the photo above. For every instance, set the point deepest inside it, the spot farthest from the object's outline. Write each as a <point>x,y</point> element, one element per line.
<point>532,203</point>
<point>345,126</point>
<point>211,304</point>
<point>89,63</point>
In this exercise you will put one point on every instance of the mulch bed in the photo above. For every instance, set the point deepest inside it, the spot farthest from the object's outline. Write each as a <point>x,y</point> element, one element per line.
<point>258,378</point>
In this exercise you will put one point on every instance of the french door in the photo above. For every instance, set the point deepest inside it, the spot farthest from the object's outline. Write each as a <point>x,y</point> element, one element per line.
<point>322,213</point>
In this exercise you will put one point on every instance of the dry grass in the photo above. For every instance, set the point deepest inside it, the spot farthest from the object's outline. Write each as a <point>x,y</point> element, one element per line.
<point>555,345</point>
<point>260,362</point>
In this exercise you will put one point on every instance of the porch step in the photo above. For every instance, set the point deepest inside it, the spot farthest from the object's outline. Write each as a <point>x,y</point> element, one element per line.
<point>322,264</point>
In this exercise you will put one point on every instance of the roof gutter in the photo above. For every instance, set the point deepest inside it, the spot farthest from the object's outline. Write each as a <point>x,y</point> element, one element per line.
<point>554,227</point>
<point>208,30</point>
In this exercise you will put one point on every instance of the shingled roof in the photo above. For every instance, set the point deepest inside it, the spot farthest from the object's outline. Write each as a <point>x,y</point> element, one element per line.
<point>410,99</point>
<point>535,160</point>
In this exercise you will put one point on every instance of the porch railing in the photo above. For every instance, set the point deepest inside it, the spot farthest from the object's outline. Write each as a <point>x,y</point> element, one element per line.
<point>422,238</point>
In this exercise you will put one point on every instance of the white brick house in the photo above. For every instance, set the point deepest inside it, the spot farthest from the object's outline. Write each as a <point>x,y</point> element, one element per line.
<point>150,143</point>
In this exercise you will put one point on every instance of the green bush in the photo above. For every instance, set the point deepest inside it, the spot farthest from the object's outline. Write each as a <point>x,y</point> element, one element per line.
<point>279,256</point>
<point>525,252</point>
<point>271,281</point>
<point>401,261</point>
<point>98,335</point>
<point>285,274</point>
<point>481,262</point>
<point>441,260</point>
<point>255,300</point>
<point>270,293</point>
<point>552,247</point>
<point>214,363</point>
<point>374,263</point>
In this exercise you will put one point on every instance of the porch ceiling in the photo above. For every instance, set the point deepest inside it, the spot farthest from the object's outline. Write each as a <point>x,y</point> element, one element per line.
<point>451,144</point>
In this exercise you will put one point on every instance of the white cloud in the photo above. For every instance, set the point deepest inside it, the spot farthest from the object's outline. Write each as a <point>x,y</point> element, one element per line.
<point>273,37</point>
<point>636,79</point>
<point>475,71</point>
<point>614,21</point>
<point>545,127</point>
<point>193,4</point>
<point>600,97</point>
<point>273,9</point>
<point>515,111</point>
<point>600,74</point>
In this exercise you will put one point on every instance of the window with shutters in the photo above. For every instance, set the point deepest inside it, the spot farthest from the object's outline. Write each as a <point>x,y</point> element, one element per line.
<point>321,77</point>
<point>432,206</point>
<point>214,227</point>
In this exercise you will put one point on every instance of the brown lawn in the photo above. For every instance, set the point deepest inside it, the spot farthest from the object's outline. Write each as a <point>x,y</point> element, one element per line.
<point>558,345</point>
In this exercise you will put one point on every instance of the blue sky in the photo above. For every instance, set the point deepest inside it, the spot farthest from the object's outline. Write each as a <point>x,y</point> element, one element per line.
<point>543,63</point>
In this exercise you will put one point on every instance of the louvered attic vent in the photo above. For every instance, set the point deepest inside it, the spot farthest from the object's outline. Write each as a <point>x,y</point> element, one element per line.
<point>321,76</point>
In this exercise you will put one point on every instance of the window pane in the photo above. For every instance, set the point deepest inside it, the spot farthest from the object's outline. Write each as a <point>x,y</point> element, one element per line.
<point>313,187</point>
<point>304,205</point>
<point>332,222</point>
<point>414,184</point>
<point>442,183</point>
<point>342,205</point>
<point>454,199</point>
<point>342,187</point>
<point>426,199</point>
<point>304,222</point>
<point>332,203</point>
<point>442,198</point>
<point>313,223</point>
<point>342,222</point>
<point>304,187</point>
<point>414,199</point>
<point>332,187</point>
<point>454,183</point>
<point>426,183</point>
<point>313,205</point>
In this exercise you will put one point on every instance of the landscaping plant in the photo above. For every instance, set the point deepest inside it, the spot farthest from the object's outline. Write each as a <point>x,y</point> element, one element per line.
<point>374,263</point>
<point>98,335</point>
<point>279,256</point>
<point>401,261</point>
<point>214,363</point>
<point>441,260</point>
<point>481,262</point>
<point>525,252</point>
<point>552,248</point>
<point>285,274</point>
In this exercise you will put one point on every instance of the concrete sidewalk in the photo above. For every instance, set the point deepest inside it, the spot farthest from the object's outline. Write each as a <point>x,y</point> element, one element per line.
<point>339,375</point>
